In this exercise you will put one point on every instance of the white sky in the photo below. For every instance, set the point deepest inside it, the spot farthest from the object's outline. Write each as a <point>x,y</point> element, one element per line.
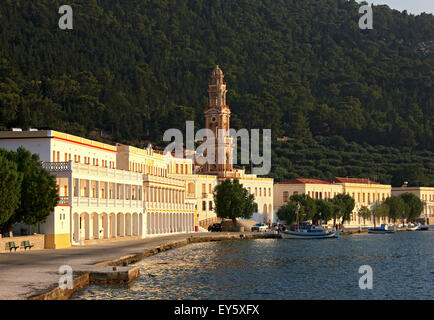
<point>412,6</point>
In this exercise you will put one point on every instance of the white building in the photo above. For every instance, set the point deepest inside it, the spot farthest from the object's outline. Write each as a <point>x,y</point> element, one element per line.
<point>101,198</point>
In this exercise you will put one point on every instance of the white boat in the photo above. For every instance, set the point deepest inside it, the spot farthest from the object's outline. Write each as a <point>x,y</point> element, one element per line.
<point>308,231</point>
<point>383,229</point>
<point>315,232</point>
<point>414,228</point>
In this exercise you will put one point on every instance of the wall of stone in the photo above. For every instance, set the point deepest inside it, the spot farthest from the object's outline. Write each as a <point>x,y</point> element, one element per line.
<point>38,241</point>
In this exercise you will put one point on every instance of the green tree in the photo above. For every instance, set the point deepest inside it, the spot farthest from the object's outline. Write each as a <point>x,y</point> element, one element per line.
<point>10,186</point>
<point>414,205</point>
<point>379,211</point>
<point>288,213</point>
<point>364,213</point>
<point>397,207</point>
<point>324,211</point>
<point>307,206</point>
<point>233,201</point>
<point>38,194</point>
<point>345,206</point>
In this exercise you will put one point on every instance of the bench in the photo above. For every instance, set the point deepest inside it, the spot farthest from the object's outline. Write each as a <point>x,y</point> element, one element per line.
<point>26,244</point>
<point>11,245</point>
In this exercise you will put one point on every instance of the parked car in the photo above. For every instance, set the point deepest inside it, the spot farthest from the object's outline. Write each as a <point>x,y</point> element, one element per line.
<point>260,227</point>
<point>216,227</point>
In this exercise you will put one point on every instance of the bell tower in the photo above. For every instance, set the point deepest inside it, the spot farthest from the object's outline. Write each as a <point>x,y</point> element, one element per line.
<point>217,116</point>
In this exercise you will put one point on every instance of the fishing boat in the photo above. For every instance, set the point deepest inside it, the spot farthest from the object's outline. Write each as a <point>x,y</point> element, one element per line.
<point>314,232</point>
<point>413,228</point>
<point>381,230</point>
<point>308,231</point>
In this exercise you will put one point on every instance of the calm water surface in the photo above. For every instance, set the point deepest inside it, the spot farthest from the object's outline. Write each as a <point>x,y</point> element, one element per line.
<point>402,263</point>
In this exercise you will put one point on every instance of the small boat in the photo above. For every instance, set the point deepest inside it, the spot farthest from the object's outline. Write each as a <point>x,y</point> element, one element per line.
<point>413,228</point>
<point>308,231</point>
<point>424,227</point>
<point>314,232</point>
<point>381,230</point>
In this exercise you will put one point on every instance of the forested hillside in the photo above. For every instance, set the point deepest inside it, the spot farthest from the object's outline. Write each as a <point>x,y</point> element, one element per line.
<point>351,102</point>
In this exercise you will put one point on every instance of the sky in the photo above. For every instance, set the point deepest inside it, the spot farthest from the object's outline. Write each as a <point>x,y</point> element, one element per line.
<point>412,6</point>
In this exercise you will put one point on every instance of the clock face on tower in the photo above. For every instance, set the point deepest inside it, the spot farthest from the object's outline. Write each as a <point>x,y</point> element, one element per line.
<point>213,119</point>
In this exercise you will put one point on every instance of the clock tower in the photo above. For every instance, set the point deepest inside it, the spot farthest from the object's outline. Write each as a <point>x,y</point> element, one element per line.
<point>217,116</point>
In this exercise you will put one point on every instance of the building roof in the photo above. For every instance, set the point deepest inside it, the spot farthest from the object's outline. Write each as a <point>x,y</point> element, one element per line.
<point>354,180</point>
<point>304,181</point>
<point>52,134</point>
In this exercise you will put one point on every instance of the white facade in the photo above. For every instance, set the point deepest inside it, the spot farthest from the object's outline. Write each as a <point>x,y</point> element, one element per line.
<point>97,201</point>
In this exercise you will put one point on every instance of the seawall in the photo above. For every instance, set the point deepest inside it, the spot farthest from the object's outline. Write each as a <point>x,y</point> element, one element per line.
<point>118,270</point>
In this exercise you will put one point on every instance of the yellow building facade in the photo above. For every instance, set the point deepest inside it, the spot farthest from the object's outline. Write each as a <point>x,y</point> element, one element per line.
<point>364,192</point>
<point>426,195</point>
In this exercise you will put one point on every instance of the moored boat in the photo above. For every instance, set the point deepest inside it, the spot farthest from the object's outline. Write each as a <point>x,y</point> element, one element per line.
<point>315,232</point>
<point>308,231</point>
<point>381,230</point>
<point>414,228</point>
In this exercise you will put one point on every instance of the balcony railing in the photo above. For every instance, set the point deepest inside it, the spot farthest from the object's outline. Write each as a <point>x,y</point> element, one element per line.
<point>57,166</point>
<point>63,200</point>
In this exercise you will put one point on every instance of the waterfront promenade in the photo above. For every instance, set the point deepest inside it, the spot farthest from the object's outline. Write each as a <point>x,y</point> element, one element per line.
<point>24,274</point>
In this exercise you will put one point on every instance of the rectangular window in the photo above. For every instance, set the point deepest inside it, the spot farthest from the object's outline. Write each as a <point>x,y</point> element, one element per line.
<point>209,188</point>
<point>285,196</point>
<point>210,206</point>
<point>203,188</point>
<point>203,205</point>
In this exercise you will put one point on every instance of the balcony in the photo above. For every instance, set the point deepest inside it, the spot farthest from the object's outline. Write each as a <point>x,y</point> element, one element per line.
<point>57,166</point>
<point>99,173</point>
<point>168,206</point>
<point>64,200</point>
<point>106,204</point>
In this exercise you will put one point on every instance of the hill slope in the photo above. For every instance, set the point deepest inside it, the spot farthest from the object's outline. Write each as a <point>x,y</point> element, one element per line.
<point>136,68</point>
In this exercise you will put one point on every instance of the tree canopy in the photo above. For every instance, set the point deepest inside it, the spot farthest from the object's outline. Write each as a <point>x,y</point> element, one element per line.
<point>129,70</point>
<point>37,189</point>
<point>414,206</point>
<point>10,187</point>
<point>344,206</point>
<point>364,213</point>
<point>233,201</point>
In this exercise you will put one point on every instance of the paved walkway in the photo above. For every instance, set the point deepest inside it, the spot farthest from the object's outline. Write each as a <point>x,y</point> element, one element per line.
<point>23,274</point>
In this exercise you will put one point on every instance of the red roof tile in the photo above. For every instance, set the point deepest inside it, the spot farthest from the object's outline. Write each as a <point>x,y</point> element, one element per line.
<point>305,181</point>
<point>353,180</point>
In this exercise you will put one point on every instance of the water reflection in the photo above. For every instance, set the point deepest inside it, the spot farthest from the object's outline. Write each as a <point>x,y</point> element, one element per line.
<point>285,269</point>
